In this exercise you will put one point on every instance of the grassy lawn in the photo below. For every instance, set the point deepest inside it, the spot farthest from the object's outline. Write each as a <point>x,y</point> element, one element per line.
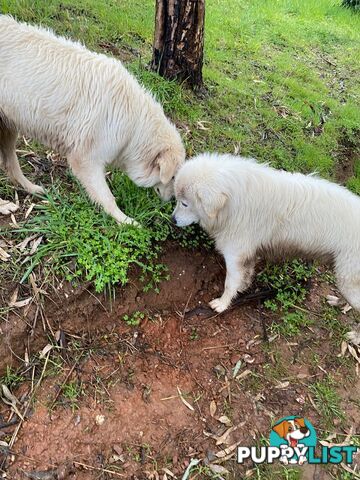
<point>282,85</point>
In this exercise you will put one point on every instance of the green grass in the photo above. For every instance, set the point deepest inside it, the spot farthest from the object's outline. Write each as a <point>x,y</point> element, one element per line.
<point>327,401</point>
<point>282,85</point>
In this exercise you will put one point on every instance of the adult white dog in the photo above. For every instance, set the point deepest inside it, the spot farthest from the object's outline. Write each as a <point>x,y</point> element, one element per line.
<point>250,208</point>
<point>85,106</point>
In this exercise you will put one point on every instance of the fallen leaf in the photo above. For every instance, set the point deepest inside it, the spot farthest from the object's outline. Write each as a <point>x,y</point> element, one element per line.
<point>228,450</point>
<point>45,351</point>
<point>21,246</point>
<point>281,385</point>
<point>333,300</point>
<point>7,394</point>
<point>35,245</point>
<point>346,308</point>
<point>237,368</point>
<point>212,408</point>
<point>21,303</point>
<point>168,472</point>
<point>353,352</point>
<point>225,420</point>
<point>29,210</point>
<point>187,404</point>
<point>218,469</point>
<point>343,349</point>
<point>244,374</point>
<point>223,439</point>
<point>13,219</point>
<point>4,256</point>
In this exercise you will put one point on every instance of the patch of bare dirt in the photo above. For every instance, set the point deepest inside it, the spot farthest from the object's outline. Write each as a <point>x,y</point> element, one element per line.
<point>156,395</point>
<point>346,158</point>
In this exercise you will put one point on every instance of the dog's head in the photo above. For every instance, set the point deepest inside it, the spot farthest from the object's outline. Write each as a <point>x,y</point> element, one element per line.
<point>200,197</point>
<point>292,430</point>
<point>164,168</point>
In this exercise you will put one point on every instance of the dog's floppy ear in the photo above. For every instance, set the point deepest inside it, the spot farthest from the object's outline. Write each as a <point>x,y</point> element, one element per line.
<point>211,201</point>
<point>167,164</point>
<point>282,428</point>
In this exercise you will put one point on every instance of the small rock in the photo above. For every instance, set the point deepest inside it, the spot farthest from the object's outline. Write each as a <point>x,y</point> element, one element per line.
<point>99,419</point>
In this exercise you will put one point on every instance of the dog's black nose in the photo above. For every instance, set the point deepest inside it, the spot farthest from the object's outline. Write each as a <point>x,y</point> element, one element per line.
<point>173,219</point>
<point>304,429</point>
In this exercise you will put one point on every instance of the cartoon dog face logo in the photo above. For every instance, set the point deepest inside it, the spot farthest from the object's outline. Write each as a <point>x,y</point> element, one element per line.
<point>292,430</point>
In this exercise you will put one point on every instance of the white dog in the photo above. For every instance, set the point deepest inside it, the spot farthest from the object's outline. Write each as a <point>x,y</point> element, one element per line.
<point>87,107</point>
<point>249,208</point>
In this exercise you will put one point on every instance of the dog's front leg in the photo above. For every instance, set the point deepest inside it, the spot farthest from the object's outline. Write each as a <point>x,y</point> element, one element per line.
<point>239,273</point>
<point>92,177</point>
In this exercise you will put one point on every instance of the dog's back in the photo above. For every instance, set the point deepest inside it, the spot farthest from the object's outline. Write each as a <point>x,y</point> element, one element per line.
<point>46,80</point>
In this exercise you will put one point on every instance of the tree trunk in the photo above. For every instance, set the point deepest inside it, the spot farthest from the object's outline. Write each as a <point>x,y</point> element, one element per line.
<point>179,40</point>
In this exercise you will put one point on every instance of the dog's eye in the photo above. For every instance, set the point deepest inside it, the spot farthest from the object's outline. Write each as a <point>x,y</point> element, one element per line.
<point>173,178</point>
<point>290,429</point>
<point>184,204</point>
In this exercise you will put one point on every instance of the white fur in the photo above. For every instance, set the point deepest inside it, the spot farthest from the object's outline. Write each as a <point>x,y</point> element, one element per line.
<point>87,107</point>
<point>249,208</point>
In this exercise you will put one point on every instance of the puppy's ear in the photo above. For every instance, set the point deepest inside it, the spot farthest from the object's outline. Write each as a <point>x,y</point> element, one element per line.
<point>300,421</point>
<point>211,201</point>
<point>281,429</point>
<point>167,164</point>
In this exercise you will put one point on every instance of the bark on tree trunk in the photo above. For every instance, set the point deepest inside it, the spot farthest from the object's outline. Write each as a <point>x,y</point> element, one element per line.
<point>179,40</point>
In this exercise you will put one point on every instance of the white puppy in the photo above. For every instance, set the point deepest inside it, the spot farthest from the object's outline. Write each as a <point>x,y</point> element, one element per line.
<point>250,208</point>
<point>87,107</point>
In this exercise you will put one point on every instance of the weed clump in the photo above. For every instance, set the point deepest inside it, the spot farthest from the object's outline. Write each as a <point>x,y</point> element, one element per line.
<point>290,284</point>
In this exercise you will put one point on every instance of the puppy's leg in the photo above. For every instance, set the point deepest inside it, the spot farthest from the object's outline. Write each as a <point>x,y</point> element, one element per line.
<point>351,291</point>
<point>10,162</point>
<point>239,274</point>
<point>348,281</point>
<point>92,176</point>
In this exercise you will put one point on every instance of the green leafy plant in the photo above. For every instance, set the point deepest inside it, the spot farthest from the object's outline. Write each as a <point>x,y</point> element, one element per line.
<point>83,243</point>
<point>134,319</point>
<point>289,282</point>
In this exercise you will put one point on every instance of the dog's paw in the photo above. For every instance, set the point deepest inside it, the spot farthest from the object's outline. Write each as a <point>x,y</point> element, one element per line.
<point>130,221</point>
<point>218,305</point>
<point>302,460</point>
<point>284,460</point>
<point>353,337</point>
<point>37,190</point>
<point>6,208</point>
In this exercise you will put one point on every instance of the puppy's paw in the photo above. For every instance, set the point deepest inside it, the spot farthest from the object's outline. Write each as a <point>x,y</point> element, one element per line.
<point>7,207</point>
<point>353,337</point>
<point>302,460</point>
<point>218,305</point>
<point>284,460</point>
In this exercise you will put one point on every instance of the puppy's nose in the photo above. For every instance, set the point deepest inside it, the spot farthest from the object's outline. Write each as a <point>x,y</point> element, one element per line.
<point>304,429</point>
<point>173,219</point>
